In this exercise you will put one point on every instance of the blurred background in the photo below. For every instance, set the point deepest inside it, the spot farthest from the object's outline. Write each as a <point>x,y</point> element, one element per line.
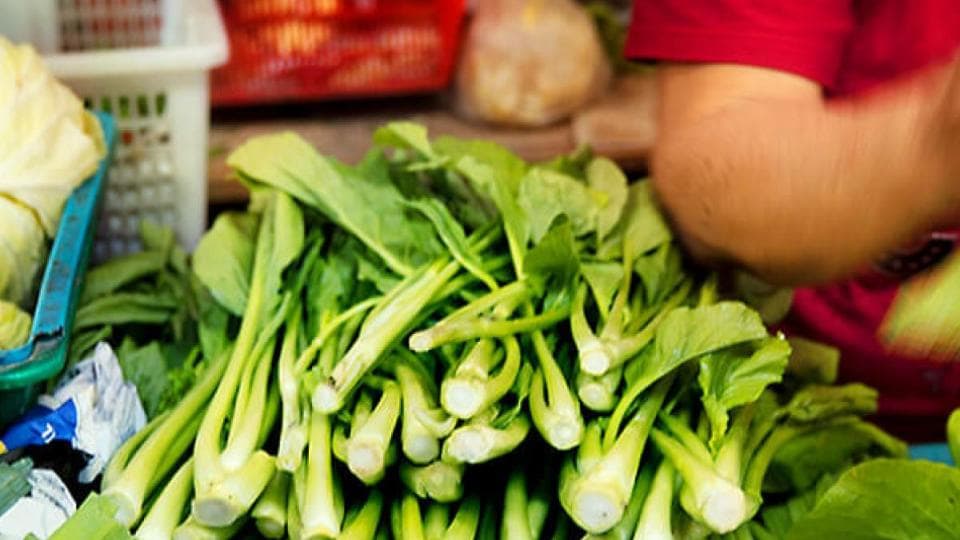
<point>188,80</point>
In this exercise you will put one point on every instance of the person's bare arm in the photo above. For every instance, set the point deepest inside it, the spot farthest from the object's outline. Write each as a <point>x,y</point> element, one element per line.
<point>755,168</point>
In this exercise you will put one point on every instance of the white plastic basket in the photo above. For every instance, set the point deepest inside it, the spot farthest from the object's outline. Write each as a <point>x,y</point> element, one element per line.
<point>147,62</point>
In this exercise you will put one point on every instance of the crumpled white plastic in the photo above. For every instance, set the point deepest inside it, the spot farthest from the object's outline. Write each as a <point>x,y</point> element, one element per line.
<point>42,512</point>
<point>109,410</point>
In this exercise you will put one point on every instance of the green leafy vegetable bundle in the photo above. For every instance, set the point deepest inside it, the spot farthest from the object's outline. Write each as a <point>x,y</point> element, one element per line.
<point>444,341</point>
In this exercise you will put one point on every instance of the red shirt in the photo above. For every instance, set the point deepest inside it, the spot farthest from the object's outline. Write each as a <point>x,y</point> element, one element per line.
<point>849,47</point>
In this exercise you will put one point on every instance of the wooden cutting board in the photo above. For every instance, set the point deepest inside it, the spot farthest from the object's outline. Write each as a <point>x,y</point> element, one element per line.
<point>620,125</point>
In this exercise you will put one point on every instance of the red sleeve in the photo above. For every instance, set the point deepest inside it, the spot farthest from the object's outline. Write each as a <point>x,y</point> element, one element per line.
<point>805,37</point>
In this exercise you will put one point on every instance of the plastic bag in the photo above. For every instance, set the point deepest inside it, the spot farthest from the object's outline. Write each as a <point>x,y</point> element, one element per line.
<point>530,62</point>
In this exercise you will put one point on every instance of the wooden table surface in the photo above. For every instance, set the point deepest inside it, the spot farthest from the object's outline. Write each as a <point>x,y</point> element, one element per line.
<point>619,125</point>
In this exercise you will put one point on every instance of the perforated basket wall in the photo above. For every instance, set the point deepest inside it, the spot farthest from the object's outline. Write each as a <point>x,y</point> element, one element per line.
<point>146,62</point>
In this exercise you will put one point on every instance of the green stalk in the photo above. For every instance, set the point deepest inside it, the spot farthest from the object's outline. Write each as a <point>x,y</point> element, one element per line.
<point>730,456</point>
<point>411,523</point>
<point>396,519</point>
<point>500,300</point>
<point>322,511</point>
<point>121,457</point>
<point>681,432</point>
<point>347,334</point>
<point>540,499</point>
<point>152,460</point>
<point>463,388</point>
<point>591,350</point>
<point>654,522</point>
<point>489,527</point>
<point>599,394</point>
<point>270,511</point>
<point>760,461</point>
<point>388,321</point>
<point>191,529</point>
<point>439,481</point>
<point>623,530</point>
<point>228,483</point>
<point>168,510</point>
<point>562,531</point>
<point>329,328</point>
<point>175,453</point>
<point>298,486</point>
<point>516,522</point>
<point>435,521</point>
<point>486,328</point>
<point>615,350</point>
<point>479,442</point>
<point>364,525</point>
<point>207,450</point>
<point>466,521</point>
<point>422,425</point>
<point>369,444</point>
<point>496,386</point>
<point>245,427</point>
<point>553,407</point>
<point>293,437</point>
<point>597,499</point>
<point>714,500</point>
<point>469,388</point>
<point>631,394</point>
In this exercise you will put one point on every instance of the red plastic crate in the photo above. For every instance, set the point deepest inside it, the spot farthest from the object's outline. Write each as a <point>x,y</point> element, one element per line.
<point>294,50</point>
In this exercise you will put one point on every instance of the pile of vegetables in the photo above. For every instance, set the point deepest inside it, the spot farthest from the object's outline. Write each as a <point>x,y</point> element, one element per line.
<point>444,341</point>
<point>48,146</point>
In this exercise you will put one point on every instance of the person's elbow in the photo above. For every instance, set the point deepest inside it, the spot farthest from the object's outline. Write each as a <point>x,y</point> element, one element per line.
<point>724,217</point>
<point>690,203</point>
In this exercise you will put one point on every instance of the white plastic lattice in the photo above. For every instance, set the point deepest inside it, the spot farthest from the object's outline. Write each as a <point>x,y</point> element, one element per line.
<point>146,62</point>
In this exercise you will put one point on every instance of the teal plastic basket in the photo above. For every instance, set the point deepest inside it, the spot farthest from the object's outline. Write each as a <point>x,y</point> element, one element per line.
<point>24,369</point>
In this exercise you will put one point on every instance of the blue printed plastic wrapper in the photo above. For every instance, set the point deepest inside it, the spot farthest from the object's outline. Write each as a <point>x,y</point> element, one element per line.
<point>93,408</point>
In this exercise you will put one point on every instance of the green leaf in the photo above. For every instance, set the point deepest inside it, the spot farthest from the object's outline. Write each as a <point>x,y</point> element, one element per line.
<point>156,237</point>
<point>779,519</point>
<point>604,176</point>
<point>813,362</point>
<point>120,271</point>
<point>831,450</point>
<point>643,226</point>
<point>373,211</point>
<point>223,259</point>
<point>146,368</point>
<point>687,333</point>
<point>381,278</point>
<point>604,279</point>
<point>279,243</point>
<point>332,280</point>
<point>553,264</point>
<point>212,321</point>
<point>729,379</point>
<point>815,403</point>
<point>407,135</point>
<point>81,342</point>
<point>126,308</point>
<point>660,272</point>
<point>544,195</point>
<point>573,164</point>
<point>887,499</point>
<point>453,237</point>
<point>495,172</point>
